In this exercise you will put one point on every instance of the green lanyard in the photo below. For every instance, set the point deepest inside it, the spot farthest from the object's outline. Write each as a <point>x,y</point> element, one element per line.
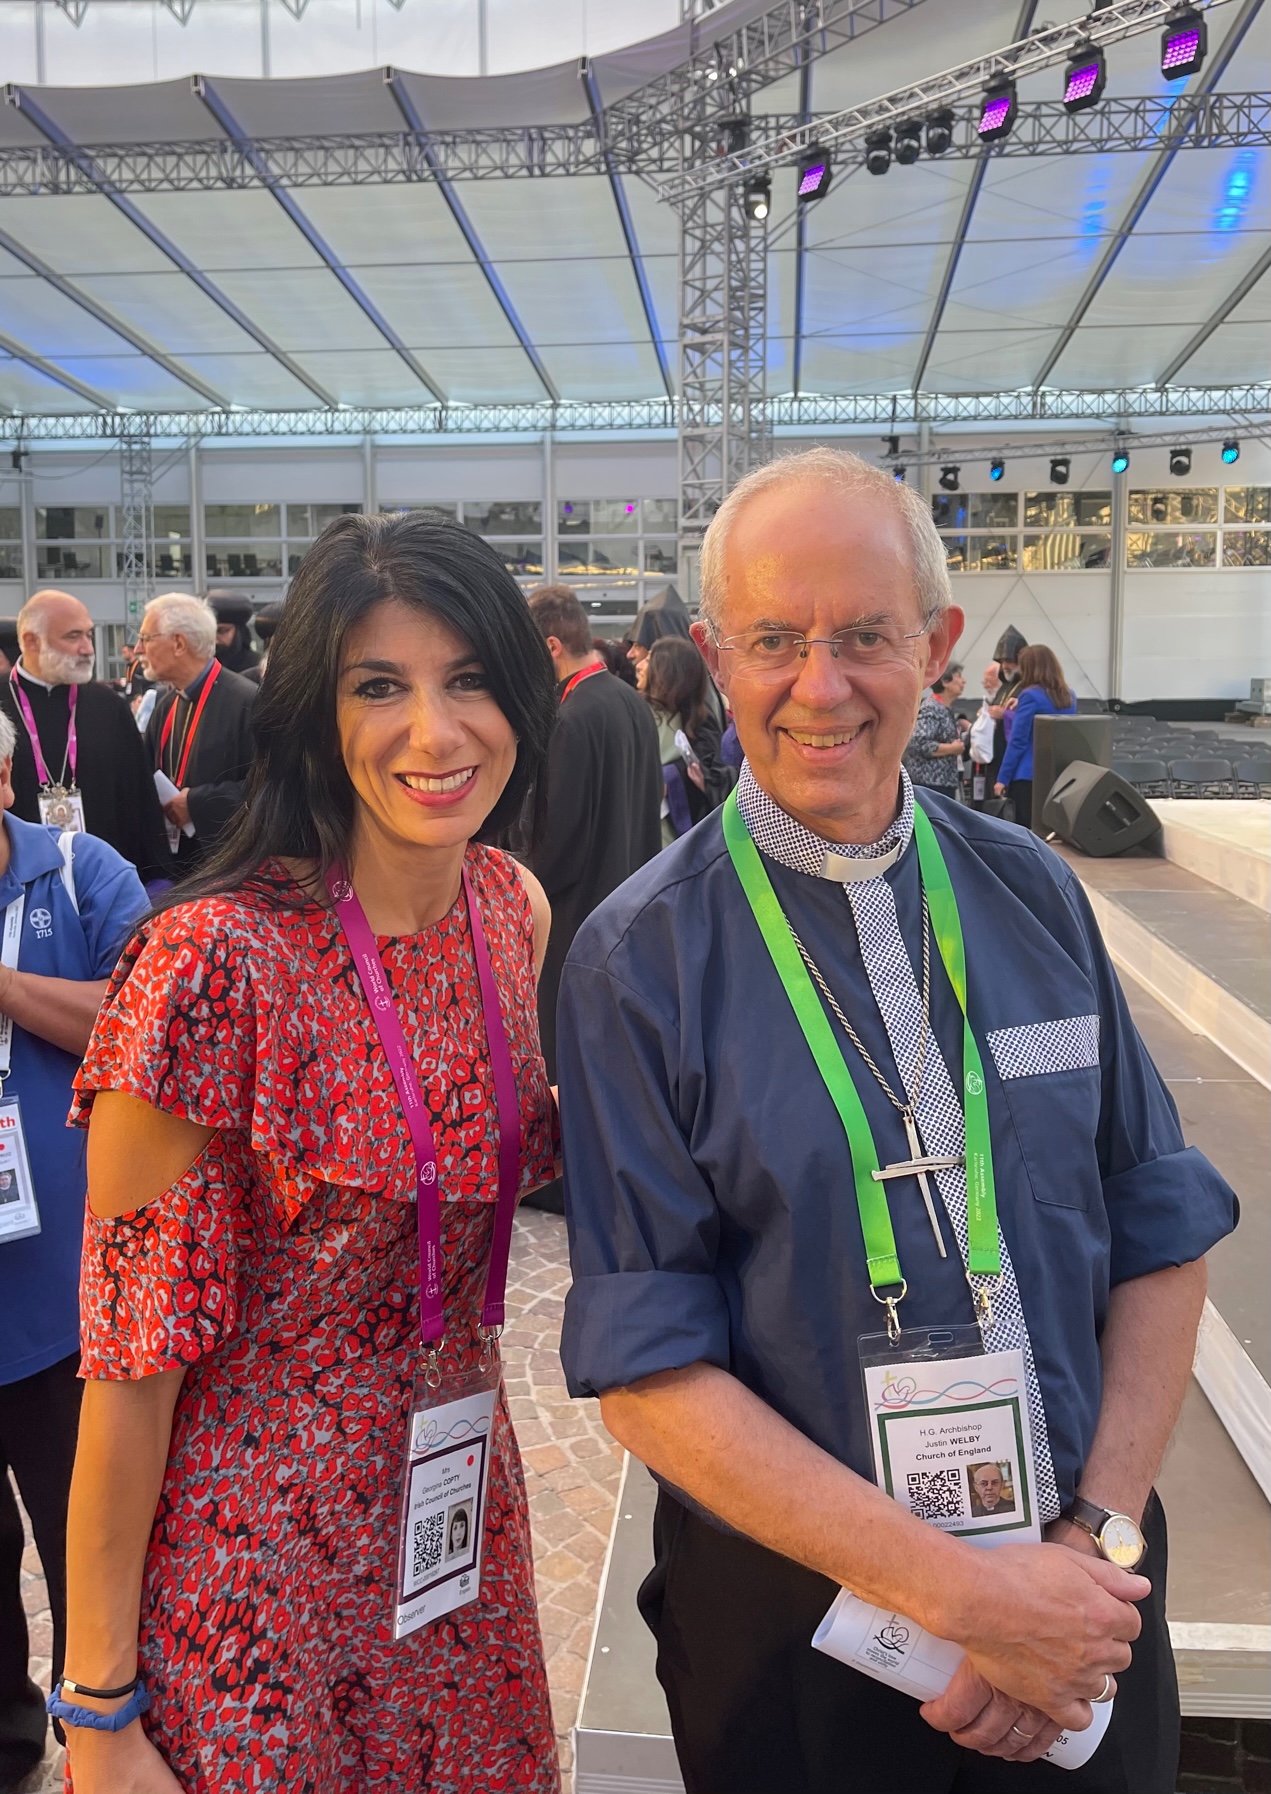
<point>983,1256</point>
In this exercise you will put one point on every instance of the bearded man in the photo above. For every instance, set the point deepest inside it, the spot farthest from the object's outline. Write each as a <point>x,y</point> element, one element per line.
<point>79,761</point>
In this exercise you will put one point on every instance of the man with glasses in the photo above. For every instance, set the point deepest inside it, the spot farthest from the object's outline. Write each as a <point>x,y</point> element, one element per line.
<point>848,1056</point>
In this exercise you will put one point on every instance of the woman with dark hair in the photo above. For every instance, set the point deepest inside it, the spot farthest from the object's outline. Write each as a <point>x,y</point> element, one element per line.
<point>1042,691</point>
<point>313,1096</point>
<point>675,682</point>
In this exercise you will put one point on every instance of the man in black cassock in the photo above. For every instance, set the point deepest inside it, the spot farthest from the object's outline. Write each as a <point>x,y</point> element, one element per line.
<point>112,772</point>
<point>200,734</point>
<point>233,631</point>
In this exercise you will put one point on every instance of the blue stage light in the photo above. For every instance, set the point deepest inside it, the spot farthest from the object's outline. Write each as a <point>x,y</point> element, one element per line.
<point>996,469</point>
<point>1120,461</point>
<point>1231,451</point>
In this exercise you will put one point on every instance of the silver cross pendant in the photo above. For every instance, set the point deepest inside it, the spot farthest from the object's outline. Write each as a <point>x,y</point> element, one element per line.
<point>918,1165</point>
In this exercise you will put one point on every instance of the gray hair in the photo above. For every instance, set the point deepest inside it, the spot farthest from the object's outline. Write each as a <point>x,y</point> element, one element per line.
<point>8,737</point>
<point>849,474</point>
<point>180,613</point>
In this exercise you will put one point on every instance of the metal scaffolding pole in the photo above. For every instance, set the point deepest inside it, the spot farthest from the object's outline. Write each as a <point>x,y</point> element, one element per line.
<point>136,482</point>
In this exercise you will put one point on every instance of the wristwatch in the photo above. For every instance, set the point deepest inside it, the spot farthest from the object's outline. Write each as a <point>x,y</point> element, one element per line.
<point>1117,1536</point>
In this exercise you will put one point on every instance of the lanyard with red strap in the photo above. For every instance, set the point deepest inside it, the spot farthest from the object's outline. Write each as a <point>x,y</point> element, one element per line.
<point>28,717</point>
<point>579,677</point>
<point>170,718</point>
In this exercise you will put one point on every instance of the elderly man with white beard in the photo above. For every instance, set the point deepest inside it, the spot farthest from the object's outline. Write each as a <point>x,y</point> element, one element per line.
<point>79,761</point>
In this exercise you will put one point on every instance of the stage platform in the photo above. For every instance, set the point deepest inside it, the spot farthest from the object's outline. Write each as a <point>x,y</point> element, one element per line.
<point>1227,844</point>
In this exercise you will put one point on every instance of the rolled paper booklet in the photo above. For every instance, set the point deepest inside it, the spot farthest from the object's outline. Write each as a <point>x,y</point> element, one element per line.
<point>898,1651</point>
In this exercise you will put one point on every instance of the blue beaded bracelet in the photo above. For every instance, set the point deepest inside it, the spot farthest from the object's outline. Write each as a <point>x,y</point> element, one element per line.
<point>70,1714</point>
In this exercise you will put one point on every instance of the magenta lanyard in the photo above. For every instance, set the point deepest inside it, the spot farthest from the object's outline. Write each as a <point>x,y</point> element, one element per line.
<point>28,717</point>
<point>370,971</point>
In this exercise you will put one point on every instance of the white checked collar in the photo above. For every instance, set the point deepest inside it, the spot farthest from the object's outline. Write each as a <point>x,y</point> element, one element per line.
<point>782,838</point>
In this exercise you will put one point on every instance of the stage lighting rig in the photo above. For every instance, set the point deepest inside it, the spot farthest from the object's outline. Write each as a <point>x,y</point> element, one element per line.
<point>1184,43</point>
<point>940,132</point>
<point>814,175</point>
<point>949,478</point>
<point>1060,468</point>
<point>1230,451</point>
<point>909,142</point>
<point>997,112</point>
<point>878,152</point>
<point>1085,78</point>
<point>1180,462</point>
<point>997,467</point>
<point>1121,461</point>
<point>757,195</point>
<point>899,473</point>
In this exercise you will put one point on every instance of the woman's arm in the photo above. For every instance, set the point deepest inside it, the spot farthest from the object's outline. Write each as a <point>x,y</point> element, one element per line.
<point>541,910</point>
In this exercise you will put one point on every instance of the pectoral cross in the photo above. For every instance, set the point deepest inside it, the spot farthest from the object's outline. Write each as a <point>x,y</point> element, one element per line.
<point>918,1165</point>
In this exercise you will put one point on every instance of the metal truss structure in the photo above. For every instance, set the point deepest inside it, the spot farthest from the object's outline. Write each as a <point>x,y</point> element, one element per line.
<point>136,492</point>
<point>791,414</point>
<point>1252,430</point>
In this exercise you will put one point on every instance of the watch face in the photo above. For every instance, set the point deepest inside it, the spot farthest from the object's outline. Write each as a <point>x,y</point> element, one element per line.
<point>1121,1541</point>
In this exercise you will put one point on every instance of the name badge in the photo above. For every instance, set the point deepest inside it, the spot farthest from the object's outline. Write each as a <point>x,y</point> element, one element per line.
<point>62,809</point>
<point>444,1489</point>
<point>19,1211</point>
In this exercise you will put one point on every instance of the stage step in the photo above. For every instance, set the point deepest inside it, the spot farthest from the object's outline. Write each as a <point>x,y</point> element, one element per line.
<point>1227,844</point>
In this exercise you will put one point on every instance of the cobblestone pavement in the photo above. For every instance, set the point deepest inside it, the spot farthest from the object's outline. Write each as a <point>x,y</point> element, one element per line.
<point>572,1470</point>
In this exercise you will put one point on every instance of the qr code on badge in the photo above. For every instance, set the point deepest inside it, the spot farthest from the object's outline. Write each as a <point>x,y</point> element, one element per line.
<point>426,1544</point>
<point>936,1494</point>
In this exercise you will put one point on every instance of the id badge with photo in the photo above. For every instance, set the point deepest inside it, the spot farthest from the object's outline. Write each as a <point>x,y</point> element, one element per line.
<point>445,1483</point>
<point>63,809</point>
<point>19,1211</point>
<point>979,785</point>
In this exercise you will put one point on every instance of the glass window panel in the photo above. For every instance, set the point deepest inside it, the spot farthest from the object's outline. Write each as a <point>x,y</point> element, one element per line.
<point>661,514</point>
<point>245,560</point>
<point>1171,548</point>
<point>1188,504</point>
<point>80,562</point>
<point>661,557</point>
<point>993,510</point>
<point>991,554</point>
<point>242,520</point>
<point>1066,551</point>
<point>503,519</point>
<point>1246,548</point>
<point>1246,504</point>
<point>573,517</point>
<point>171,520</point>
<point>573,557</point>
<point>949,509</point>
<point>10,560</point>
<point>616,516</point>
<point>172,558</point>
<point>955,553</point>
<point>611,554</point>
<point>10,523</point>
<point>311,520</point>
<point>73,523</point>
<point>521,557</point>
<point>1044,510</point>
<point>430,509</point>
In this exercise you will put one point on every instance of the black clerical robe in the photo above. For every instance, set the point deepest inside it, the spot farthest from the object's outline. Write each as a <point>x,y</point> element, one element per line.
<point>219,759</point>
<point>112,768</point>
<point>603,816</point>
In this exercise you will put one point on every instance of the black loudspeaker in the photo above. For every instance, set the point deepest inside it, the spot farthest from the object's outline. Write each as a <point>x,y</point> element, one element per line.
<point>1096,811</point>
<point>1057,742</point>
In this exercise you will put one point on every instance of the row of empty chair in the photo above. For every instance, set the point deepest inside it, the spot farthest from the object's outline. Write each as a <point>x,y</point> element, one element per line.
<point>1201,776</point>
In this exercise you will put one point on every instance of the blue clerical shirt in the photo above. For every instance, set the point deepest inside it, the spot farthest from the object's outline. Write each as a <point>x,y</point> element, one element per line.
<point>708,1187</point>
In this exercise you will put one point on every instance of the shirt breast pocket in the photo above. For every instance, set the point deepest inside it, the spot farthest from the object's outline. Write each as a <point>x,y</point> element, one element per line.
<point>1051,1080</point>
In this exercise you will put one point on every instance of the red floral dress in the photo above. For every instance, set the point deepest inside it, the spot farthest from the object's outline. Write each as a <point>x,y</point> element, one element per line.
<point>281,1272</point>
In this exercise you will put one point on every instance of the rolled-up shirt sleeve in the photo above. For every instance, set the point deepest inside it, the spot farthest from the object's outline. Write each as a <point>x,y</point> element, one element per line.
<point>1166,1204</point>
<point>643,1222</point>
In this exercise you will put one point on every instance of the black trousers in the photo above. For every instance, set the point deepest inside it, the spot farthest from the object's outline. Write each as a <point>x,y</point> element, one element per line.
<point>1020,792</point>
<point>39,1421</point>
<point>755,1710</point>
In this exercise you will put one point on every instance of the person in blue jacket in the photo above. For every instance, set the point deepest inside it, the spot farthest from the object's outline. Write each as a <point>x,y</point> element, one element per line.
<point>68,903</point>
<point>1043,691</point>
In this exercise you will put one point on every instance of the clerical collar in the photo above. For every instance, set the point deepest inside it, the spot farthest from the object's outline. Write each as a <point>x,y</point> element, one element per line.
<point>782,838</point>
<point>30,678</point>
<point>191,691</point>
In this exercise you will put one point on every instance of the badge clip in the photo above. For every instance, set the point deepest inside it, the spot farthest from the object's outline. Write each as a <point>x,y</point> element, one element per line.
<point>983,1305</point>
<point>489,1337</point>
<point>891,1303</point>
<point>432,1365</point>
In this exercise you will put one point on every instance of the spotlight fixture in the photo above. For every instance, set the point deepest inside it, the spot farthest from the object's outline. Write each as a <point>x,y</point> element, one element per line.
<point>1180,462</point>
<point>997,112</point>
<point>949,478</point>
<point>909,142</point>
<point>1120,461</point>
<point>1184,43</point>
<point>1085,78</point>
<point>1060,467</point>
<point>997,467</point>
<point>940,132</point>
<point>899,474</point>
<point>878,152</point>
<point>893,445</point>
<point>1230,451</point>
<point>814,175</point>
<point>757,195</point>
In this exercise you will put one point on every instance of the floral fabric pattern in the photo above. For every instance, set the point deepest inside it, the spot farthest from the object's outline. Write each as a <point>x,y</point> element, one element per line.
<point>281,1272</point>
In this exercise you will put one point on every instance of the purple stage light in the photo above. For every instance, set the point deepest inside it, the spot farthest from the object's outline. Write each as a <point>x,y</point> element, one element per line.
<point>813,175</point>
<point>1179,47</point>
<point>1183,45</point>
<point>1085,78</point>
<point>811,182</point>
<point>994,113</point>
<point>997,112</point>
<point>1081,83</point>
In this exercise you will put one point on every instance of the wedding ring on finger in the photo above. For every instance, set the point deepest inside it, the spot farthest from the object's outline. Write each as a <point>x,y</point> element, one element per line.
<point>1026,1736</point>
<point>1106,1693</point>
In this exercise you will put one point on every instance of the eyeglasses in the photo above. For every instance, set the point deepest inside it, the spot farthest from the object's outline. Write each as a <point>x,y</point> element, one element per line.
<point>865,645</point>
<point>143,641</point>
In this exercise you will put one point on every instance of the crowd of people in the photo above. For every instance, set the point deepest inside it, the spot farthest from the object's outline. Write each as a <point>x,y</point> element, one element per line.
<point>448,906</point>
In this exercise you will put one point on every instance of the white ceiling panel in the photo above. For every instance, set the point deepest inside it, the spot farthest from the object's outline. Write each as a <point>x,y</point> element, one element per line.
<point>625,369</point>
<point>378,377</point>
<point>439,306</point>
<point>23,389</point>
<point>251,378</point>
<point>46,321</point>
<point>1234,353</point>
<point>80,233</point>
<point>911,46</point>
<point>988,360</point>
<point>168,309</point>
<point>484,375</point>
<point>398,226</point>
<point>864,363</point>
<point>237,231</point>
<point>129,380</point>
<point>300,309</point>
